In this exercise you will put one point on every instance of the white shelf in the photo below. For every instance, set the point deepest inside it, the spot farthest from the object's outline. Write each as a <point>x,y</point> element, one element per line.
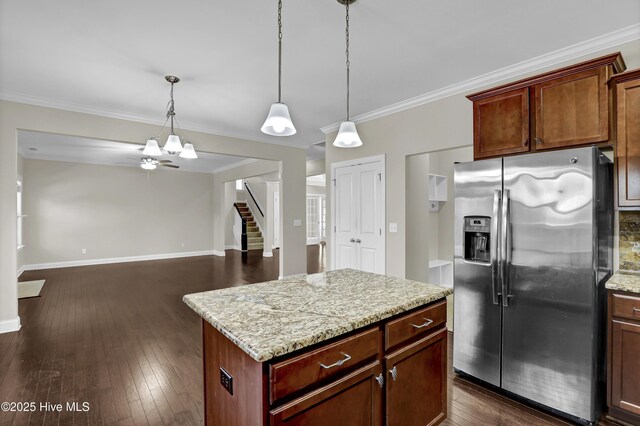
<point>437,191</point>
<point>441,272</point>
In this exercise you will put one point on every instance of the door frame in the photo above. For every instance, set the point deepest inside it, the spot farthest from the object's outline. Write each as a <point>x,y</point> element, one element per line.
<point>383,214</point>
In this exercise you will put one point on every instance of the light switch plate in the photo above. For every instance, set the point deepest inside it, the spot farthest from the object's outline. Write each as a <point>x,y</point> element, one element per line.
<point>297,222</point>
<point>393,227</point>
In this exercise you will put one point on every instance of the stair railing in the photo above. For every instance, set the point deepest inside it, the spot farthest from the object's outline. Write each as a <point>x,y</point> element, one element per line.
<point>246,185</point>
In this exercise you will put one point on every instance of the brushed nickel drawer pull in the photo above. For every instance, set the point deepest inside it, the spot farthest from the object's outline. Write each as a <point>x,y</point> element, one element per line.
<point>427,323</point>
<point>339,362</point>
<point>636,309</point>
<point>394,373</point>
<point>380,380</point>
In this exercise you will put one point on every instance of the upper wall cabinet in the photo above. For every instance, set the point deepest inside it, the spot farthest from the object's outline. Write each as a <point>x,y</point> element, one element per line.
<point>627,134</point>
<point>559,109</point>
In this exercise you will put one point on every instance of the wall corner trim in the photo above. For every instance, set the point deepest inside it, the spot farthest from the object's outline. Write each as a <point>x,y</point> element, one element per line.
<point>218,253</point>
<point>8,326</point>
<point>267,254</point>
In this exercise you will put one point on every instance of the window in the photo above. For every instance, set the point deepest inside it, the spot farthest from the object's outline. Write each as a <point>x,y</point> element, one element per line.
<point>20,216</point>
<point>239,186</point>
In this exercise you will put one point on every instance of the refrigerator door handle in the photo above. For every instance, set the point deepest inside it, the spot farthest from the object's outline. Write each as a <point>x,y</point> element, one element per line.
<point>504,247</point>
<point>495,271</point>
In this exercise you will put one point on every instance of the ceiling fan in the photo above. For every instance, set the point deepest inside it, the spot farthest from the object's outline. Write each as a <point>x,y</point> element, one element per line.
<point>150,163</point>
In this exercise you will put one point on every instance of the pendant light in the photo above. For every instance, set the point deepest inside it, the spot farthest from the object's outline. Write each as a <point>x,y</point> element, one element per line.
<point>173,145</point>
<point>347,134</point>
<point>278,122</point>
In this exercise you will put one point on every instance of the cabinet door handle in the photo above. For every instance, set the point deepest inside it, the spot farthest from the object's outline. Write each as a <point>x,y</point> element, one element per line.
<point>380,380</point>
<point>358,240</point>
<point>352,240</point>
<point>539,141</point>
<point>394,373</point>
<point>427,323</point>
<point>339,362</point>
<point>636,309</point>
<point>526,142</point>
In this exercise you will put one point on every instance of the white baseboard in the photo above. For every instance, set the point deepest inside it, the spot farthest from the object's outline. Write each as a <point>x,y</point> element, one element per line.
<point>88,262</point>
<point>267,254</point>
<point>233,247</point>
<point>8,326</point>
<point>20,271</point>
<point>218,253</point>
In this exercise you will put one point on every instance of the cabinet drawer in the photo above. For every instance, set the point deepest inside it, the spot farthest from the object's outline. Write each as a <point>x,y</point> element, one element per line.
<point>626,306</point>
<point>415,324</point>
<point>328,361</point>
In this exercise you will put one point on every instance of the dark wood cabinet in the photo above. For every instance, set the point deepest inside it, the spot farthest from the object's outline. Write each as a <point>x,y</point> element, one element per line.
<point>355,399</point>
<point>572,110</point>
<point>626,89</point>
<point>501,124</point>
<point>563,108</point>
<point>624,357</point>
<point>417,370</point>
<point>346,380</point>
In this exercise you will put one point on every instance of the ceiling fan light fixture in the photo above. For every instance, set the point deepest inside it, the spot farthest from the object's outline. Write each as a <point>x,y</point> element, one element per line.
<point>188,151</point>
<point>347,136</point>
<point>278,122</point>
<point>147,165</point>
<point>152,148</point>
<point>173,145</point>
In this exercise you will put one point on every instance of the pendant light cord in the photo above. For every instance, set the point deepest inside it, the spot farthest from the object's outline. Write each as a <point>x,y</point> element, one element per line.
<point>279,51</point>
<point>347,54</point>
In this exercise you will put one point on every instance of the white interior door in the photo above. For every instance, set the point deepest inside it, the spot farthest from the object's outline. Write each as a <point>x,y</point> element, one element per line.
<point>359,241</point>
<point>369,242</point>
<point>346,229</point>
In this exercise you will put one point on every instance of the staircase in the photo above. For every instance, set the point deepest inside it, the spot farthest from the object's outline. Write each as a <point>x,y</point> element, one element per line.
<point>255,240</point>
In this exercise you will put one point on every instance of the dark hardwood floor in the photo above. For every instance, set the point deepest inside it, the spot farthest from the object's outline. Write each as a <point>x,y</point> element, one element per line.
<point>119,337</point>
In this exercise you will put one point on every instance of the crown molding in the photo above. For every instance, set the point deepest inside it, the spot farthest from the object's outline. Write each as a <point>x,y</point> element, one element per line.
<point>596,44</point>
<point>74,107</point>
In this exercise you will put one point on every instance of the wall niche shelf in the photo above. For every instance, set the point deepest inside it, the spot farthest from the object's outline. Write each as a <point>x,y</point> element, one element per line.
<point>441,272</point>
<point>437,192</point>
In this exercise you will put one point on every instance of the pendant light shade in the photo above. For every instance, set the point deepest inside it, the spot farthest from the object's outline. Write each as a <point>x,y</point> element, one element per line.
<point>152,148</point>
<point>278,122</point>
<point>347,136</point>
<point>188,151</point>
<point>173,145</point>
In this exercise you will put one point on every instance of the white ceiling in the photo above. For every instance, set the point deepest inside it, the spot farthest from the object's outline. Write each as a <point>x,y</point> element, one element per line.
<point>110,57</point>
<point>47,146</point>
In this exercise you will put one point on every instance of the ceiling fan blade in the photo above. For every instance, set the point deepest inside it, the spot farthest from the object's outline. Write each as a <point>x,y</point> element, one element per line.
<point>169,165</point>
<point>164,161</point>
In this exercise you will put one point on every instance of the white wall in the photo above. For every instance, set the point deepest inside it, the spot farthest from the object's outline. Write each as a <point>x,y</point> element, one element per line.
<point>441,124</point>
<point>419,230</point>
<point>316,190</point>
<point>113,212</point>
<point>14,116</point>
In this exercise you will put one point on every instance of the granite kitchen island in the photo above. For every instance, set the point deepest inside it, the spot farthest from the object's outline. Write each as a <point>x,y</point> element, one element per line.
<point>342,347</point>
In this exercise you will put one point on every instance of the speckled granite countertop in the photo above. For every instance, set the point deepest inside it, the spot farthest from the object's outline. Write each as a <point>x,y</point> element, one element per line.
<point>624,281</point>
<point>274,318</point>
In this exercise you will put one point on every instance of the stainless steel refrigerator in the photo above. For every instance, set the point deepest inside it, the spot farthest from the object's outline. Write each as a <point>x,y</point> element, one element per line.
<point>533,248</point>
